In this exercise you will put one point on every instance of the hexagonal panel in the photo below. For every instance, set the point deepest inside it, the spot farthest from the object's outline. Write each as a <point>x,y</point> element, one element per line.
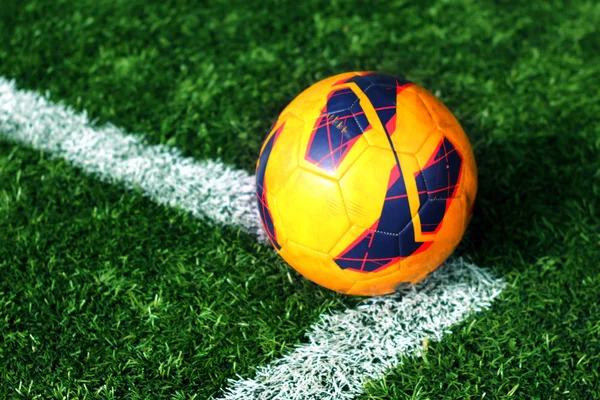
<point>414,123</point>
<point>312,211</point>
<point>365,184</point>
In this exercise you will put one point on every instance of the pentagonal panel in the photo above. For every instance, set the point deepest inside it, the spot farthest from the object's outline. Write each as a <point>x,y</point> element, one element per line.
<point>312,210</point>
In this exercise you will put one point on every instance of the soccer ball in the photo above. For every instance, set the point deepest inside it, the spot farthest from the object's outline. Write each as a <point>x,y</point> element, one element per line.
<point>365,183</point>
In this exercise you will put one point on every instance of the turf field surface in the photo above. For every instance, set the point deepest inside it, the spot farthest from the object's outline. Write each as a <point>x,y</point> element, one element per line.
<point>100,287</point>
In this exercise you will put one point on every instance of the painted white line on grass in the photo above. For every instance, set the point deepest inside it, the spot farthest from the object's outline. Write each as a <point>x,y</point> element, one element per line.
<point>207,189</point>
<point>344,349</point>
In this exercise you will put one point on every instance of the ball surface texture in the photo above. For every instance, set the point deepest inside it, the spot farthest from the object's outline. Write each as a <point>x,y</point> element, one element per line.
<point>365,183</point>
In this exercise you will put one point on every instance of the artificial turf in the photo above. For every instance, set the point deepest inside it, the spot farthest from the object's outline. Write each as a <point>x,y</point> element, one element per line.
<point>104,294</point>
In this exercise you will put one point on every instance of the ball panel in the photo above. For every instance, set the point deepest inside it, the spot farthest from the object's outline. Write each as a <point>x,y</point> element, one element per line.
<point>364,185</point>
<point>414,123</point>
<point>439,112</point>
<point>383,101</point>
<point>264,206</point>
<point>468,186</point>
<point>335,133</point>
<point>283,156</point>
<point>441,164</point>
<point>419,265</point>
<point>312,210</point>
<point>354,235</point>
<point>372,251</point>
<point>316,266</point>
<point>385,80</point>
<point>378,102</point>
<point>379,286</point>
<point>279,228</point>
<point>412,181</point>
<point>442,245</point>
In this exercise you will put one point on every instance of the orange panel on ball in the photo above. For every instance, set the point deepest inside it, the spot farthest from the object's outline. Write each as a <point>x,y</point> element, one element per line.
<point>364,186</point>
<point>442,244</point>
<point>317,267</point>
<point>312,211</point>
<point>414,123</point>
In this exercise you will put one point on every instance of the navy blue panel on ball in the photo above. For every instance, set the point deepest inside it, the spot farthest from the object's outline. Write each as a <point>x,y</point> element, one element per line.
<point>384,102</point>
<point>341,122</point>
<point>358,117</point>
<point>432,214</point>
<point>340,100</point>
<point>261,191</point>
<point>376,78</point>
<point>372,251</point>
<point>396,210</point>
<point>440,178</point>
<point>383,80</point>
<point>408,244</point>
<point>442,171</point>
<point>381,92</point>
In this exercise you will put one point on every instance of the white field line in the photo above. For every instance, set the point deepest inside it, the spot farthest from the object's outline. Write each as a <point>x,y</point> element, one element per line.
<point>207,189</point>
<point>343,349</point>
<point>346,349</point>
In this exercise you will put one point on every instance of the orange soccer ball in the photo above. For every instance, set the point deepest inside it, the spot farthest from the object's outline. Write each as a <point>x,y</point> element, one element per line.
<point>366,182</point>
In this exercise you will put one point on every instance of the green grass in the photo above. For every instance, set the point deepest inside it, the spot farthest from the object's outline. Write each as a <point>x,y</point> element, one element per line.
<point>102,287</point>
<point>106,295</point>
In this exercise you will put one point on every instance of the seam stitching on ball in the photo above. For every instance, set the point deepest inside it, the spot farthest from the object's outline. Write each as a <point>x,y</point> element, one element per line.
<point>358,98</point>
<point>384,232</point>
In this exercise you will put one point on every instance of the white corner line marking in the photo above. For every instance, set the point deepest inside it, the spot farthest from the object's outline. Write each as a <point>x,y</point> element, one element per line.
<point>346,349</point>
